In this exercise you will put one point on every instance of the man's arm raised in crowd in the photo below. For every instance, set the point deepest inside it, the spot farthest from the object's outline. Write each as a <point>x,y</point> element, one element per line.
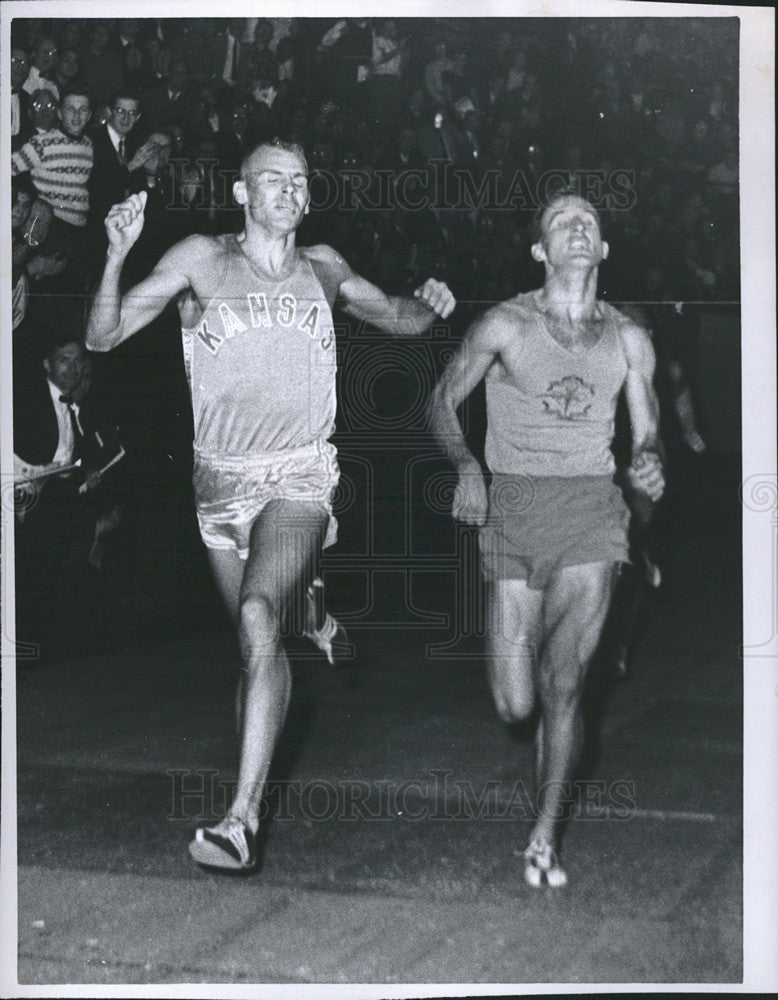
<point>114,318</point>
<point>460,376</point>
<point>645,472</point>
<point>396,315</point>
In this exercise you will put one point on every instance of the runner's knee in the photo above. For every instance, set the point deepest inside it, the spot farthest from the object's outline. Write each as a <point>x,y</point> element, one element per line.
<point>259,620</point>
<point>514,706</point>
<point>561,689</point>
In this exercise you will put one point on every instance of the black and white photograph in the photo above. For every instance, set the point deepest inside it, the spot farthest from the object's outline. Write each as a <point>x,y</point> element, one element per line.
<point>389,499</point>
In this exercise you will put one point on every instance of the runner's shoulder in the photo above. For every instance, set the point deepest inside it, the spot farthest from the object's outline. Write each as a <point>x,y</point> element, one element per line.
<point>633,332</point>
<point>631,324</point>
<point>506,320</point>
<point>326,257</point>
<point>199,253</point>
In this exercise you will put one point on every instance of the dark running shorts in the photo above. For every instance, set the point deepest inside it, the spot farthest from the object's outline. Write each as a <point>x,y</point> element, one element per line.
<point>537,525</point>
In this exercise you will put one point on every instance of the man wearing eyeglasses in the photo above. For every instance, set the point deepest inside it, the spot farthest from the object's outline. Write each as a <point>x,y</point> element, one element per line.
<point>59,162</point>
<point>41,72</point>
<point>20,99</point>
<point>116,158</point>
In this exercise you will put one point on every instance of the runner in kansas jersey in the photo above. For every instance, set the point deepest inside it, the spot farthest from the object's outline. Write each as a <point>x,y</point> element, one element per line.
<point>260,357</point>
<point>261,369</point>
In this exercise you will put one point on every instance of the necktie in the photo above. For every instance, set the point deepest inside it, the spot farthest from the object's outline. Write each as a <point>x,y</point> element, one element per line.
<point>78,436</point>
<point>122,155</point>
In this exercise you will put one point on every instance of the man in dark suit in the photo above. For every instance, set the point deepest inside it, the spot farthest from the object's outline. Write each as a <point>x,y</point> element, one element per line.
<point>54,427</point>
<point>116,164</point>
<point>170,101</point>
<point>20,99</point>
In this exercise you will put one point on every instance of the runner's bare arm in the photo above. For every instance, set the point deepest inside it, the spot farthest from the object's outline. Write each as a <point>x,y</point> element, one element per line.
<point>113,318</point>
<point>401,317</point>
<point>646,469</point>
<point>460,376</point>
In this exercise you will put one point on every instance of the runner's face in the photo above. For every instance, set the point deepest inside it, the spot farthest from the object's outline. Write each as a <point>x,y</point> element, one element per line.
<point>570,234</point>
<point>276,186</point>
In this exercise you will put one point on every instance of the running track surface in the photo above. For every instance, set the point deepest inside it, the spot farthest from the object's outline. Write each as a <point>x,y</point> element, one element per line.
<point>413,884</point>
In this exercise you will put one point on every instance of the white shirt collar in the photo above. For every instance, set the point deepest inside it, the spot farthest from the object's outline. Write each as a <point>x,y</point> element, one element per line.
<point>56,392</point>
<point>113,135</point>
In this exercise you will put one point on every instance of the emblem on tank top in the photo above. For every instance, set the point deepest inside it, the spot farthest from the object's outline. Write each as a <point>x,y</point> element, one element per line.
<point>570,398</point>
<point>226,320</point>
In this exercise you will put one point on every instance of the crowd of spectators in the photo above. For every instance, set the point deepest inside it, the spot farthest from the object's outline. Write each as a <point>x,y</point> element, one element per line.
<point>430,141</point>
<point>430,144</point>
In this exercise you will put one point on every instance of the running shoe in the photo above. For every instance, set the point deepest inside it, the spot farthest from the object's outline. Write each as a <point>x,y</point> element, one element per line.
<point>541,866</point>
<point>332,640</point>
<point>229,844</point>
<point>330,637</point>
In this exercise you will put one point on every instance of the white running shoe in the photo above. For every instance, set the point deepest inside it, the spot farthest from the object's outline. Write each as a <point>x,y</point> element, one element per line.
<point>332,640</point>
<point>541,866</point>
<point>229,844</point>
<point>331,637</point>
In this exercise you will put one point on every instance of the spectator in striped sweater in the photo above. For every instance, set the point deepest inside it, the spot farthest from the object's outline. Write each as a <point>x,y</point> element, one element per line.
<point>59,162</point>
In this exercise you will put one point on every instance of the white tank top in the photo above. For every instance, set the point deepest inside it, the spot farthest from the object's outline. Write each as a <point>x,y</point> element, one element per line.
<point>261,361</point>
<point>553,413</point>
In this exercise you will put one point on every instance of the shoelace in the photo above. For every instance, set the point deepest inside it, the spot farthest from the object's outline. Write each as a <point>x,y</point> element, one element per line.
<point>541,853</point>
<point>233,829</point>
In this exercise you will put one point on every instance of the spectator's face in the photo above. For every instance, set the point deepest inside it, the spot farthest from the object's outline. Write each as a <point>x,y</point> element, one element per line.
<point>72,35</point>
<point>274,189</point>
<point>133,58</point>
<point>74,114</point>
<point>67,64</point>
<point>207,99</point>
<point>21,208</point>
<point>84,384</point>
<point>43,109</point>
<point>124,113</point>
<point>160,59</point>
<point>264,92</point>
<point>65,365</point>
<point>45,54</point>
<point>20,67</point>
